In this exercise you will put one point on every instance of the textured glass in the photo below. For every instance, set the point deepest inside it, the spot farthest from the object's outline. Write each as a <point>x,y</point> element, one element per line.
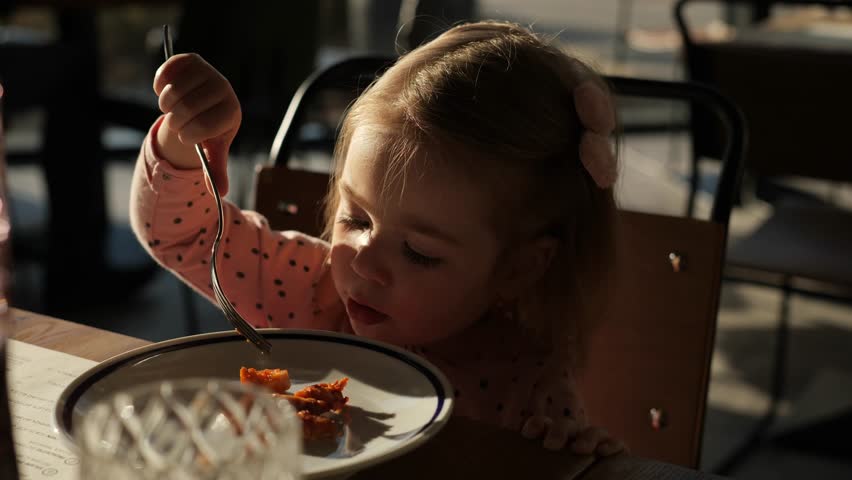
<point>191,429</point>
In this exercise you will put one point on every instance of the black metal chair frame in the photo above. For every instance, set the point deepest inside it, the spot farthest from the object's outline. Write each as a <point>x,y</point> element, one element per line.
<point>353,74</point>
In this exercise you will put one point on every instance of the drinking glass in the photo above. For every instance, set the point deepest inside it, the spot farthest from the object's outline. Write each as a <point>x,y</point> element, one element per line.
<point>190,429</point>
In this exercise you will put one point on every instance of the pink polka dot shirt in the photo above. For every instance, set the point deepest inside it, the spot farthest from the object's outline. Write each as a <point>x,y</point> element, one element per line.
<point>274,278</point>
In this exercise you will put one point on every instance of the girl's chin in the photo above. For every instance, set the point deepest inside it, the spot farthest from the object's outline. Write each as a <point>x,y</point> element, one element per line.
<point>384,332</point>
<point>379,332</point>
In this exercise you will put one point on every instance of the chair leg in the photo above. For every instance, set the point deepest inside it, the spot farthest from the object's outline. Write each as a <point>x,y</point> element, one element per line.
<point>623,15</point>
<point>779,370</point>
<point>188,297</point>
<point>694,177</point>
<point>757,436</point>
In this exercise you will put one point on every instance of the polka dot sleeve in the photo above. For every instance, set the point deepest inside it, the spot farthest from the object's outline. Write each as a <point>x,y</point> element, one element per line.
<point>273,278</point>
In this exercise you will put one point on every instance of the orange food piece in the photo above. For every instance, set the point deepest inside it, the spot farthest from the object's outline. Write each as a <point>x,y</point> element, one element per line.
<point>321,407</point>
<point>275,379</point>
<point>331,393</point>
<point>315,427</point>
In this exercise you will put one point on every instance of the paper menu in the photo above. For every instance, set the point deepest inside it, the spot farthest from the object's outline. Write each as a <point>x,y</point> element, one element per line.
<point>37,377</point>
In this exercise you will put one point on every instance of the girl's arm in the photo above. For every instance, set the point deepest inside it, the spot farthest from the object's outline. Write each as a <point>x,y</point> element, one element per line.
<point>274,278</point>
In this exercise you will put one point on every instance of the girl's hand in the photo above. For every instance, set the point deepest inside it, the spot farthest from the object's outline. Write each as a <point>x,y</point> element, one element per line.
<point>596,440</point>
<point>557,414</point>
<point>555,410</point>
<point>583,441</point>
<point>200,107</point>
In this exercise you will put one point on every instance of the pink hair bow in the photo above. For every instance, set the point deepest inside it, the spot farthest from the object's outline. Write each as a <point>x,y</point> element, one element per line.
<point>598,119</point>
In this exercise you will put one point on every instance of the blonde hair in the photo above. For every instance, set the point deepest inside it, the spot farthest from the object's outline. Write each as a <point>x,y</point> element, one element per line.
<point>503,94</point>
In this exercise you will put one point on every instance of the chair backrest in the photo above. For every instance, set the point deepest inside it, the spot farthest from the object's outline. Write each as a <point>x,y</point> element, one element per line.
<point>351,75</point>
<point>792,91</point>
<point>647,365</point>
<point>653,350</point>
<point>646,370</point>
<point>291,199</point>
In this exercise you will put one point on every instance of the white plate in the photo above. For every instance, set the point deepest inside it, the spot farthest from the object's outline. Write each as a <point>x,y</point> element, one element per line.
<point>397,400</point>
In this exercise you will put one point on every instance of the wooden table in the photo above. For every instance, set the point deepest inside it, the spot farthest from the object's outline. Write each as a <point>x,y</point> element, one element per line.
<point>463,449</point>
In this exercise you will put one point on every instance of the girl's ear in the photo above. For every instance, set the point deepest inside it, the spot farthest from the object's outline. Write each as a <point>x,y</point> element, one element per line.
<point>523,268</point>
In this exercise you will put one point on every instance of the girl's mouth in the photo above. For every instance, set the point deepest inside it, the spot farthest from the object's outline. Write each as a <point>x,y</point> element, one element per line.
<point>363,314</point>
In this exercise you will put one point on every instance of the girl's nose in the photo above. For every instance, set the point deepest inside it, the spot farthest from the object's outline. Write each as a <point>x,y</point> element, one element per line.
<point>369,264</point>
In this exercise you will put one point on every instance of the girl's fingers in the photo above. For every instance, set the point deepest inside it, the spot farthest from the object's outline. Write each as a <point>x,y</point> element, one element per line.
<point>588,440</point>
<point>183,67</point>
<point>539,422</point>
<point>173,93</point>
<point>610,447</point>
<point>167,123</point>
<point>195,103</point>
<point>556,437</point>
<point>560,431</point>
<point>217,153</point>
<point>535,426</point>
<point>215,121</point>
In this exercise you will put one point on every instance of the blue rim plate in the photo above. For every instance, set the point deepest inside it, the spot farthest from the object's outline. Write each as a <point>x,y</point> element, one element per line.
<point>397,399</point>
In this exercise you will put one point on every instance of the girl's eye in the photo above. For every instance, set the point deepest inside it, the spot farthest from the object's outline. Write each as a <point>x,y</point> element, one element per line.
<point>353,223</point>
<point>418,258</point>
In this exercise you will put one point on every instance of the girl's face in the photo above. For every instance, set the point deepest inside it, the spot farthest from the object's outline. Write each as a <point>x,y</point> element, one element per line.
<point>416,264</point>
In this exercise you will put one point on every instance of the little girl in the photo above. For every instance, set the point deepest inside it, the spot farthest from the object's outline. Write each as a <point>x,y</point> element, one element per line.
<point>468,219</point>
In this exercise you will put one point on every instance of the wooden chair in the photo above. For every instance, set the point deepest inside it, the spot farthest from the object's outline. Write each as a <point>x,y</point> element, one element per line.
<point>648,365</point>
<point>794,95</point>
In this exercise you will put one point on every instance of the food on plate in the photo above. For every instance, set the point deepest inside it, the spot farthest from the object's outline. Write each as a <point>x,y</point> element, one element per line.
<point>321,407</point>
<point>275,379</point>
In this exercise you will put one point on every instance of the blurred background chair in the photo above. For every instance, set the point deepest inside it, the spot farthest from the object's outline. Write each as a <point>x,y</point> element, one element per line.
<point>655,401</point>
<point>73,155</point>
<point>61,76</point>
<point>794,90</point>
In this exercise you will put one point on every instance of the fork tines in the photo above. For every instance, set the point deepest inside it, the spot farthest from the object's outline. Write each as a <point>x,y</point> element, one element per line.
<point>243,327</point>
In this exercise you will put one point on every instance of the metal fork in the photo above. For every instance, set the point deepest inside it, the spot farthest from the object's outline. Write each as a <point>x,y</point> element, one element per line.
<point>242,326</point>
